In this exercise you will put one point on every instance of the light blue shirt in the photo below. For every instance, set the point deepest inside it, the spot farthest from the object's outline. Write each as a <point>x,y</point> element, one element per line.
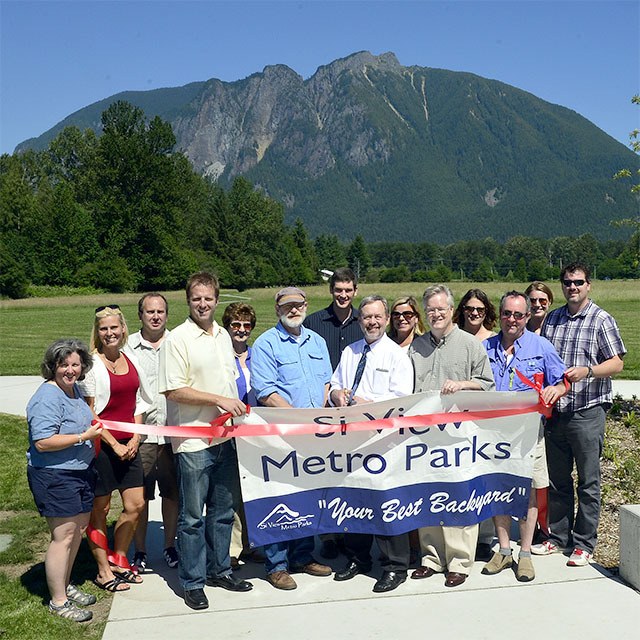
<point>297,368</point>
<point>51,411</point>
<point>531,354</point>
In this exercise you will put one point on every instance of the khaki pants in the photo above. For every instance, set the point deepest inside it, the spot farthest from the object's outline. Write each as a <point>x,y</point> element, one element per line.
<point>449,548</point>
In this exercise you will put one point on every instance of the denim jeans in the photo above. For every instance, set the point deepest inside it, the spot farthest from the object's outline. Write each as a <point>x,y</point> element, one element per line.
<point>207,482</point>
<point>283,556</point>
<point>575,437</point>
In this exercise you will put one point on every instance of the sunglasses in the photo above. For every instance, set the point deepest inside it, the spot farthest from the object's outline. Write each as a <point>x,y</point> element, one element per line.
<point>237,325</point>
<point>407,315</point>
<point>578,283</point>
<point>479,310</point>
<point>539,302</point>
<point>107,306</point>
<point>518,315</point>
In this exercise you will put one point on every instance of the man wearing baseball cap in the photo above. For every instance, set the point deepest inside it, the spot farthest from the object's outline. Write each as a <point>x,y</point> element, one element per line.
<point>291,368</point>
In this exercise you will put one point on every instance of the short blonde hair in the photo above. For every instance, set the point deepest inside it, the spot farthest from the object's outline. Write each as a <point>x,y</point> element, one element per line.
<point>105,312</point>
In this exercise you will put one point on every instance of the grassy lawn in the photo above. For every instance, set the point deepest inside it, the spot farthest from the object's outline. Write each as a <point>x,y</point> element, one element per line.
<point>28,326</point>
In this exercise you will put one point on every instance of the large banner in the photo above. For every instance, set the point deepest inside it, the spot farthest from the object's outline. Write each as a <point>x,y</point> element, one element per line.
<point>386,467</point>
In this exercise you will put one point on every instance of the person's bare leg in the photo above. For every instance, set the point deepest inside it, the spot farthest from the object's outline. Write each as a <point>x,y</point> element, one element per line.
<point>58,558</point>
<point>528,526</point>
<point>133,503</point>
<point>169,521</point>
<point>140,536</point>
<point>98,521</point>
<point>503,529</point>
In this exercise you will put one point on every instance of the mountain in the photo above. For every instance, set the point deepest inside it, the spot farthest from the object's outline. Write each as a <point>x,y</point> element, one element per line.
<point>369,146</point>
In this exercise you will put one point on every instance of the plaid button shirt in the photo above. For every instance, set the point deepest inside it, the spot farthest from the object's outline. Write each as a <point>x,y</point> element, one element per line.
<point>585,339</point>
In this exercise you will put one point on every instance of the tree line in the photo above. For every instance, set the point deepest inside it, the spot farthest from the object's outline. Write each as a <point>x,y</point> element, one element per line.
<point>124,211</point>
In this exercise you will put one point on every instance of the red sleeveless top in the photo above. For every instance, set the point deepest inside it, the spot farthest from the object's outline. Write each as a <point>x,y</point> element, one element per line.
<point>122,400</point>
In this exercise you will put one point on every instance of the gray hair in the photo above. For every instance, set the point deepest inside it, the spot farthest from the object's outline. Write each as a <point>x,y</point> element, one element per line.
<point>515,294</point>
<point>434,290</point>
<point>59,351</point>
<point>372,299</point>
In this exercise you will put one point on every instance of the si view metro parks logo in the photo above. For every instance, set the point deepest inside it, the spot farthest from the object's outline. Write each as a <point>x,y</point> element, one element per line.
<point>284,518</point>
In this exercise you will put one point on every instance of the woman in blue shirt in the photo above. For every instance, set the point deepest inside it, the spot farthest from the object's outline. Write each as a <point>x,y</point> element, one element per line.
<point>60,468</point>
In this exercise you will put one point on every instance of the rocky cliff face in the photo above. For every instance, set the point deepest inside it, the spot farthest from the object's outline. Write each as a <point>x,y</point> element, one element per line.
<point>314,123</point>
<point>393,151</point>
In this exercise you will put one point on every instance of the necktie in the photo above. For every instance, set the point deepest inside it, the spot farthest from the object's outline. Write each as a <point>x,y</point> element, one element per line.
<point>359,371</point>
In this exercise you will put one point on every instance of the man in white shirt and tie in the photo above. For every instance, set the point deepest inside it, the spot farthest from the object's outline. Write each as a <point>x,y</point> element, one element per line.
<point>373,369</point>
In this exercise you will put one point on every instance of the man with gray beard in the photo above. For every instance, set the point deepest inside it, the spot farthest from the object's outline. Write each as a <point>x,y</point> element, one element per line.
<point>291,368</point>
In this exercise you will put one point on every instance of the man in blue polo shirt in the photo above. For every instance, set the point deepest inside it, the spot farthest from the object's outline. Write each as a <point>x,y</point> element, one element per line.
<point>291,368</point>
<point>516,348</point>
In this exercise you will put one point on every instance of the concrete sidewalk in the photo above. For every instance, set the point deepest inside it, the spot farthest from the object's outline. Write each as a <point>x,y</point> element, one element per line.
<point>582,603</point>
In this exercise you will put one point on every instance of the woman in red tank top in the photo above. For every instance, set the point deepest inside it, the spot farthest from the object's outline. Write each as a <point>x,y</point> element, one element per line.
<point>113,392</point>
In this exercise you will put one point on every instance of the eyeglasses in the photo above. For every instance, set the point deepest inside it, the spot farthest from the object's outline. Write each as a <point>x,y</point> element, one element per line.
<point>578,283</point>
<point>432,311</point>
<point>237,325</point>
<point>289,306</point>
<point>479,310</point>
<point>539,302</point>
<point>106,306</point>
<point>517,315</point>
<point>407,315</point>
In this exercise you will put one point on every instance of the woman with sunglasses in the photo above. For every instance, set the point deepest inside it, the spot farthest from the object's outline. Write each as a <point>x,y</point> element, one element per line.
<point>239,319</point>
<point>476,315</point>
<point>541,298</point>
<point>115,389</point>
<point>406,321</point>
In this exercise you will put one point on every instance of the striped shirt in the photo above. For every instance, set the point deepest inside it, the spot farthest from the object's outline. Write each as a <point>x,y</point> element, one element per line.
<point>589,337</point>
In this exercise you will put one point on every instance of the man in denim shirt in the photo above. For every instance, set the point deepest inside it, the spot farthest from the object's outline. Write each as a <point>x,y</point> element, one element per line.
<point>517,349</point>
<point>291,368</point>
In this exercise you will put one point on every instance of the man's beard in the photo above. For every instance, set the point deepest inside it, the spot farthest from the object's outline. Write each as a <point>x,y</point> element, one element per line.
<point>293,323</point>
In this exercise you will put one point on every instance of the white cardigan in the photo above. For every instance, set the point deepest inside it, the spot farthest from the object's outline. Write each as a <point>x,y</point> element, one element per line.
<point>96,384</point>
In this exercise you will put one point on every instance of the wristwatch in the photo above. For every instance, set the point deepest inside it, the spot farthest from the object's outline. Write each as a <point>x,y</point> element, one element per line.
<point>590,372</point>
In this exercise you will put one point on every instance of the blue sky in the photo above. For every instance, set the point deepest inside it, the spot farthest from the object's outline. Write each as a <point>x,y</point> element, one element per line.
<point>57,57</point>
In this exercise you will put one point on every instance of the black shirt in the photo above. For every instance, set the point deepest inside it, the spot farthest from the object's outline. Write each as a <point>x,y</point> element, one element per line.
<point>336,335</point>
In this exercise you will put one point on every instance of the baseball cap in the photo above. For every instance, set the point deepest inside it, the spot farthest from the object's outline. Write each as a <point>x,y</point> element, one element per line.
<point>290,294</point>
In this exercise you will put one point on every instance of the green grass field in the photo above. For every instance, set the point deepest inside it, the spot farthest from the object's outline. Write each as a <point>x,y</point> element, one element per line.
<point>28,326</point>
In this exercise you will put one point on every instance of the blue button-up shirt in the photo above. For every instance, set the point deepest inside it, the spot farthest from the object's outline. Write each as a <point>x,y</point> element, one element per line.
<point>531,354</point>
<point>297,368</point>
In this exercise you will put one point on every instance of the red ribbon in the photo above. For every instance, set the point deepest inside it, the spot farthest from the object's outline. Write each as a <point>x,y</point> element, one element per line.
<point>100,540</point>
<point>537,384</point>
<point>218,428</point>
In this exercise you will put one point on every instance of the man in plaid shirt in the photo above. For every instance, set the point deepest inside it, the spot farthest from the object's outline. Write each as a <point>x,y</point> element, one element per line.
<point>588,341</point>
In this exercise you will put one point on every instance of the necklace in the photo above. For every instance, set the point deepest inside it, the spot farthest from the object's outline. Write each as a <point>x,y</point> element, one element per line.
<point>111,365</point>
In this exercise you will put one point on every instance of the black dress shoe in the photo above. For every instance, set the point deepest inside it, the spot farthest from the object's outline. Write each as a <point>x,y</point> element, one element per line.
<point>389,581</point>
<point>196,599</point>
<point>230,583</point>
<point>350,571</point>
<point>455,579</point>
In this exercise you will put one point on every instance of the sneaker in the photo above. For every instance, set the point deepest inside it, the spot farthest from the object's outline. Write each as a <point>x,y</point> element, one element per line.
<point>525,571</point>
<point>139,562</point>
<point>281,580</point>
<point>545,548</point>
<point>170,556</point>
<point>69,611</point>
<point>80,597</point>
<point>497,563</point>
<point>579,558</point>
<point>313,568</point>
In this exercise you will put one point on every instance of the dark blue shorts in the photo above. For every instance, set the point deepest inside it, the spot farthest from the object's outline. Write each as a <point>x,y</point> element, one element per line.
<point>60,493</point>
